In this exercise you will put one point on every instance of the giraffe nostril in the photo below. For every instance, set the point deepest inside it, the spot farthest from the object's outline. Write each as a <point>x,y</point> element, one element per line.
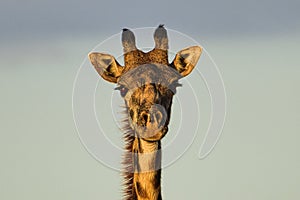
<point>158,117</point>
<point>145,118</point>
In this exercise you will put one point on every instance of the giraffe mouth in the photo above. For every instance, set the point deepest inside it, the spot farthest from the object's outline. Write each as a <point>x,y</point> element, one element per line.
<point>150,134</point>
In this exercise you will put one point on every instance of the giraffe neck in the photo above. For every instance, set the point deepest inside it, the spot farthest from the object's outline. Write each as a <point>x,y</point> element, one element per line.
<point>147,172</point>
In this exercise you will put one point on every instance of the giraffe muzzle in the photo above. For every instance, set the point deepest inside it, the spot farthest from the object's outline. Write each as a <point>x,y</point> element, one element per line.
<point>152,124</point>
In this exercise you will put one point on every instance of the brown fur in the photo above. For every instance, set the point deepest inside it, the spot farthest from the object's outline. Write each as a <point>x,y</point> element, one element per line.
<point>147,83</point>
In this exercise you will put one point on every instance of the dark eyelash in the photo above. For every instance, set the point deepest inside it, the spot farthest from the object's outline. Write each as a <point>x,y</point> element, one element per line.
<point>123,90</point>
<point>119,87</point>
<point>176,84</point>
<point>173,87</point>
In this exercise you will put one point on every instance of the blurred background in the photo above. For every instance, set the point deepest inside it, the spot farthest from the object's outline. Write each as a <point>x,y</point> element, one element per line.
<point>255,45</point>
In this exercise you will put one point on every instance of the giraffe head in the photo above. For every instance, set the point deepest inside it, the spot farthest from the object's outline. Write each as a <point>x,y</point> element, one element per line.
<point>148,81</point>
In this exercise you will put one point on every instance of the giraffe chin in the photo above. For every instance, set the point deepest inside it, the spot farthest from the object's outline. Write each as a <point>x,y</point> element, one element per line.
<point>151,135</point>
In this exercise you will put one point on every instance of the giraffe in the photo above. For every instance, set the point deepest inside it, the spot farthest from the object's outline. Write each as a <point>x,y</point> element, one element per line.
<point>147,82</point>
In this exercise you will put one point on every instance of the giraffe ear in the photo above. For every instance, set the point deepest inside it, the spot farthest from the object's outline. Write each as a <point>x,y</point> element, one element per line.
<point>107,66</point>
<point>186,59</point>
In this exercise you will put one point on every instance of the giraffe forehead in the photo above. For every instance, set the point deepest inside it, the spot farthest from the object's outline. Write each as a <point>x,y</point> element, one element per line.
<point>149,74</point>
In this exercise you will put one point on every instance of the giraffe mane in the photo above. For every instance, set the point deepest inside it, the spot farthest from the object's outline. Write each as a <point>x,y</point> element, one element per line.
<point>127,162</point>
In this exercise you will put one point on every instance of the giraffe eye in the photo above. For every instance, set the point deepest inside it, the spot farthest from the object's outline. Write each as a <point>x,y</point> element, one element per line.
<point>123,90</point>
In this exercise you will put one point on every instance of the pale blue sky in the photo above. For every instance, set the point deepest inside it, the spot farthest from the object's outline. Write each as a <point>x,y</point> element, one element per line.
<point>255,45</point>
<point>50,18</point>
